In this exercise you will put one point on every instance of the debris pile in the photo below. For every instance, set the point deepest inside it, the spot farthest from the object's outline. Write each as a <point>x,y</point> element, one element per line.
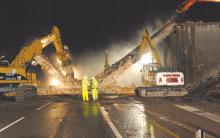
<point>117,89</point>
<point>59,91</point>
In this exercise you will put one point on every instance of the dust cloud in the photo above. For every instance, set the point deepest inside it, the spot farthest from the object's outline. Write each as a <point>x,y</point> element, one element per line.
<point>92,63</point>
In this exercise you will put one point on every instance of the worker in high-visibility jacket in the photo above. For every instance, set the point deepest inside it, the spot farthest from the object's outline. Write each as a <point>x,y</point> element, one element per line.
<point>85,88</point>
<point>95,85</point>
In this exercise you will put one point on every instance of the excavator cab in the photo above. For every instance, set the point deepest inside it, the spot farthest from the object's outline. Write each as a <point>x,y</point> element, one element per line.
<point>148,73</point>
<point>157,81</point>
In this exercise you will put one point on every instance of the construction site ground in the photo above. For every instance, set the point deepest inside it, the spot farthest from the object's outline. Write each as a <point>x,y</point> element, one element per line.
<point>110,116</point>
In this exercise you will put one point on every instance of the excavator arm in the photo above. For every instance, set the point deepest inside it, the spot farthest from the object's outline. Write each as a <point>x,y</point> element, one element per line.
<point>33,52</point>
<point>186,5</point>
<point>27,53</point>
<point>55,38</point>
<point>146,43</point>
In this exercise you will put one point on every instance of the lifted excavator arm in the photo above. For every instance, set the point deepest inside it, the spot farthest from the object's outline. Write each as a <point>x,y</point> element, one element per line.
<point>33,52</point>
<point>55,38</point>
<point>146,41</point>
<point>186,5</point>
<point>27,53</point>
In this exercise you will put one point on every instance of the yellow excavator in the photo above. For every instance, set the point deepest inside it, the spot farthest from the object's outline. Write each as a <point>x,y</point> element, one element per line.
<point>15,74</point>
<point>158,81</point>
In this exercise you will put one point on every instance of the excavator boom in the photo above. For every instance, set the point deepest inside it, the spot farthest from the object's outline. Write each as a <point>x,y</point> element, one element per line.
<point>26,54</point>
<point>146,43</point>
<point>55,38</point>
<point>186,5</point>
<point>35,48</point>
<point>33,52</point>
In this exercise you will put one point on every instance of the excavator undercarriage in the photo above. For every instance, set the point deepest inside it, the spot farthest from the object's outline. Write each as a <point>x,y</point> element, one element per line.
<point>155,91</point>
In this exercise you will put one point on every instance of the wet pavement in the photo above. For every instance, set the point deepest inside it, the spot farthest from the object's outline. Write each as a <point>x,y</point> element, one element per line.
<point>63,117</point>
<point>134,120</point>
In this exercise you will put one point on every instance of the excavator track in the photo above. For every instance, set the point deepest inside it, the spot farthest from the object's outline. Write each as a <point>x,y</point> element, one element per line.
<point>155,91</point>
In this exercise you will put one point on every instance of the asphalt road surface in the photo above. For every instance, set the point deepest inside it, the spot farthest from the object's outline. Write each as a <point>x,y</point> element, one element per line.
<point>69,117</point>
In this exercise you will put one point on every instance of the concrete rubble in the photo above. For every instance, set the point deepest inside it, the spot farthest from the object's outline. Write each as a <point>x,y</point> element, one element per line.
<point>59,91</point>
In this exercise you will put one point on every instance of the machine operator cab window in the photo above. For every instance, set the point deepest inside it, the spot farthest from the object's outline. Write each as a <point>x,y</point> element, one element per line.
<point>149,73</point>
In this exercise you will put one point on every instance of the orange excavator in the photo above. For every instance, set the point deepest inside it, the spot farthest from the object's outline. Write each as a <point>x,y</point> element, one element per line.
<point>186,5</point>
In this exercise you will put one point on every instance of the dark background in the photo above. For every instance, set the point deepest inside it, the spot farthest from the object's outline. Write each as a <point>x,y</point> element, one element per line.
<point>86,24</point>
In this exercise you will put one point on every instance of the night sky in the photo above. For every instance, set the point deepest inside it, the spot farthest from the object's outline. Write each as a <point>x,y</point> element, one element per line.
<point>86,24</point>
